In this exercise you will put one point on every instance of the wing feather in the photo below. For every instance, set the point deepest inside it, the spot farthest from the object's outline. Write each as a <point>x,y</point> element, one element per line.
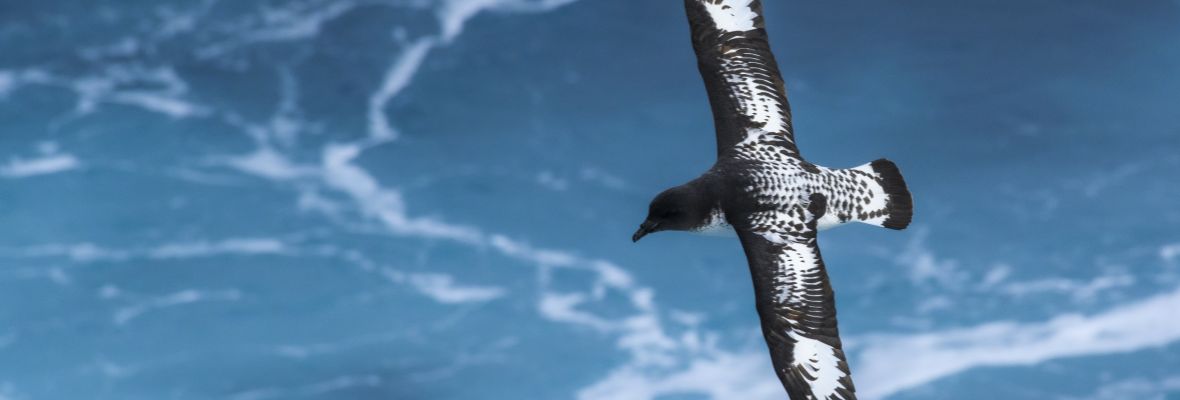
<point>796,303</point>
<point>745,89</point>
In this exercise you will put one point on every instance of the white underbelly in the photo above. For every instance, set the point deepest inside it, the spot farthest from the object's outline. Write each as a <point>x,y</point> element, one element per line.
<point>716,225</point>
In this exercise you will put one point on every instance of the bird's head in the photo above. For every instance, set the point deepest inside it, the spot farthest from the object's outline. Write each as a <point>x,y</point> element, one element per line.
<point>677,209</point>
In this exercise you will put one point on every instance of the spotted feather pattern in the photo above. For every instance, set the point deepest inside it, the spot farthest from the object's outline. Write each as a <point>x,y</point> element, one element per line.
<point>781,201</point>
<point>774,176</point>
<point>796,303</point>
<point>776,201</point>
<point>854,194</point>
<point>745,89</point>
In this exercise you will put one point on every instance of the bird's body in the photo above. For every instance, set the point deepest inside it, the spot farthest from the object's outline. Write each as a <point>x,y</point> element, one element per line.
<point>763,190</point>
<point>748,183</point>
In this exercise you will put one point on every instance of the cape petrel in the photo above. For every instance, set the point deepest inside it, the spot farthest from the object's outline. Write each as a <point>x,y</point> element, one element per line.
<point>763,189</point>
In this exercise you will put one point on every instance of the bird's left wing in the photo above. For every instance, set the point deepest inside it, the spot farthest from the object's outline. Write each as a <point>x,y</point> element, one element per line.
<point>796,303</point>
<point>745,89</point>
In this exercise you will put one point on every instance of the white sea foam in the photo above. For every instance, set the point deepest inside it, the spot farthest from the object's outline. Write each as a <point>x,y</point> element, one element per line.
<point>542,257</point>
<point>640,334</point>
<point>43,165</point>
<point>601,177</point>
<point>11,80</point>
<point>125,314</point>
<point>563,307</point>
<point>174,22</point>
<point>722,376</point>
<point>1169,252</point>
<point>397,77</point>
<point>245,246</point>
<point>302,351</point>
<point>160,103</point>
<point>168,98</point>
<point>277,24</point>
<point>115,84</point>
<point>287,24</point>
<point>1080,291</point>
<point>443,289</point>
<point>124,47</point>
<point>90,252</point>
<point>386,205</point>
<point>890,363</point>
<point>925,268</point>
<point>309,390</point>
<point>267,163</point>
<point>549,180</point>
<point>885,364</point>
<point>1134,388</point>
<point>996,275</point>
<point>454,14</point>
<point>1111,177</point>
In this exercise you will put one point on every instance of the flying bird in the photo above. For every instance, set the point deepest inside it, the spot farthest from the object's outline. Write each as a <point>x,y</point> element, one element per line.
<point>776,201</point>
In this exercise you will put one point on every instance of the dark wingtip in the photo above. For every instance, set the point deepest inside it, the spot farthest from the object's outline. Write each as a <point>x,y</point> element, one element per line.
<point>901,203</point>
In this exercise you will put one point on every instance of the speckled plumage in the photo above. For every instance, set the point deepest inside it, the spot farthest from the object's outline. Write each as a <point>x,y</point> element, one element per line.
<point>773,199</point>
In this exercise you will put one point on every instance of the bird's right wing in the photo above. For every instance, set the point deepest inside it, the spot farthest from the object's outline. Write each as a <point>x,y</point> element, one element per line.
<point>796,303</point>
<point>745,90</point>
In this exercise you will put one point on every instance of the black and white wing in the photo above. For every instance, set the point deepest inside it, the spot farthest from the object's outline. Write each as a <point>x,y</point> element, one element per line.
<point>745,90</point>
<point>796,303</point>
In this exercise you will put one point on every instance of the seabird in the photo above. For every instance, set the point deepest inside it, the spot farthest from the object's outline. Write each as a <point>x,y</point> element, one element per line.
<point>763,189</point>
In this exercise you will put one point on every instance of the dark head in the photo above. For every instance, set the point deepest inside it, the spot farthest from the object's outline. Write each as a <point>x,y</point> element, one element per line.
<point>681,208</point>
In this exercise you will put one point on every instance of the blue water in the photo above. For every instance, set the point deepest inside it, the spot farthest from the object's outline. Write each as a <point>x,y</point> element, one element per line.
<point>390,200</point>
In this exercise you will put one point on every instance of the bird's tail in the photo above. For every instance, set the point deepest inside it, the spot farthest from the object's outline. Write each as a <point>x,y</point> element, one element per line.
<point>899,206</point>
<point>874,193</point>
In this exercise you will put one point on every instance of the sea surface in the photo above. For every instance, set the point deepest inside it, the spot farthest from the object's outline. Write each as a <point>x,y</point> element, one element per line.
<point>433,199</point>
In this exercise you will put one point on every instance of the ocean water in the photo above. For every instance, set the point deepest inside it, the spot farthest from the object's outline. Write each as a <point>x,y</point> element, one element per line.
<point>415,199</point>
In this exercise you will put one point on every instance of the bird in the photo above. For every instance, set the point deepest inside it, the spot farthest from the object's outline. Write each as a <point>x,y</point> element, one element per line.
<point>762,189</point>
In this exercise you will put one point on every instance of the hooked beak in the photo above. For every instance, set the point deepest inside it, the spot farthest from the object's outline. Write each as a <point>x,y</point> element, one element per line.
<point>644,229</point>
